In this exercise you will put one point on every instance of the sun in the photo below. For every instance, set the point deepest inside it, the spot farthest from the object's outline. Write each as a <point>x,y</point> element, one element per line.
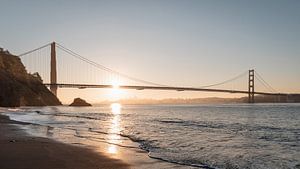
<point>116,92</point>
<point>115,84</point>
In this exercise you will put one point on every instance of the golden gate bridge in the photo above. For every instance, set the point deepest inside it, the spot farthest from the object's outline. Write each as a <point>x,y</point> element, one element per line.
<point>52,63</point>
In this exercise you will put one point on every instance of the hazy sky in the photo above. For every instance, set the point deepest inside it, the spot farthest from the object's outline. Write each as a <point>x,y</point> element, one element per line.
<point>184,42</point>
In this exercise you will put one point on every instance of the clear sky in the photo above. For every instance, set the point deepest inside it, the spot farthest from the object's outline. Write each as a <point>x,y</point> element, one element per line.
<point>176,42</point>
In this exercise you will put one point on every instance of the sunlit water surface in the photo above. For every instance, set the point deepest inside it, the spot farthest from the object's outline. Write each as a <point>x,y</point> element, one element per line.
<point>211,136</point>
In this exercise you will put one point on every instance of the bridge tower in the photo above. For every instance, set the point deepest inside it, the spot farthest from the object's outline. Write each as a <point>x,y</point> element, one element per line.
<point>53,72</point>
<point>251,86</point>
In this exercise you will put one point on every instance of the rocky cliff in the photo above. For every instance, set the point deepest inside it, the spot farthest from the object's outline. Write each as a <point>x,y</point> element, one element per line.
<point>18,88</point>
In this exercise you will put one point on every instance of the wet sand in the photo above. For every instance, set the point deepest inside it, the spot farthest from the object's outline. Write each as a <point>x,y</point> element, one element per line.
<point>18,150</point>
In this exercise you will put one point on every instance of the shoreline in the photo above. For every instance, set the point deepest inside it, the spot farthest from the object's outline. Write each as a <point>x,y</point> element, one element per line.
<point>33,146</point>
<point>20,150</point>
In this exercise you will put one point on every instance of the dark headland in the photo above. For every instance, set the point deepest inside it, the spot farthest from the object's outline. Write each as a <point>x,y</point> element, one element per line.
<point>19,88</point>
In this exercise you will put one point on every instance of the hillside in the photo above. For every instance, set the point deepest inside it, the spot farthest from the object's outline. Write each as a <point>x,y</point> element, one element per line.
<point>19,88</point>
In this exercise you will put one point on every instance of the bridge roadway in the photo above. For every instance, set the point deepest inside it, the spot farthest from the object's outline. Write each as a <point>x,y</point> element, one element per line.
<point>136,87</point>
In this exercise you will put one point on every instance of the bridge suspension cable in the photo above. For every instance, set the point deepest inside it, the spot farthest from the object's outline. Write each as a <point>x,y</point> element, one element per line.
<point>99,66</point>
<point>31,51</point>
<point>264,83</point>
<point>226,81</point>
<point>126,76</point>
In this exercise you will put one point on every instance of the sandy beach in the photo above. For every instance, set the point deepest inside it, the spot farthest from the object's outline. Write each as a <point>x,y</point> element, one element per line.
<point>19,151</point>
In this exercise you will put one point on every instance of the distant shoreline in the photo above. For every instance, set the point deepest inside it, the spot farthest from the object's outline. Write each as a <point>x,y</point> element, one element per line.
<point>209,100</point>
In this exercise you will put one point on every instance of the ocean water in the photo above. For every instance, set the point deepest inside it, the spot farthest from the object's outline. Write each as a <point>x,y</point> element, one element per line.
<point>258,136</point>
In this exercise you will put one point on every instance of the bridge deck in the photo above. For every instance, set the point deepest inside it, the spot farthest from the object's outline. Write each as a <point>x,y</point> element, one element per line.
<point>83,86</point>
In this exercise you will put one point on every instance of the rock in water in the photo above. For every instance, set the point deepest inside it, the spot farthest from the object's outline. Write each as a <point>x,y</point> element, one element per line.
<point>80,102</point>
<point>19,88</point>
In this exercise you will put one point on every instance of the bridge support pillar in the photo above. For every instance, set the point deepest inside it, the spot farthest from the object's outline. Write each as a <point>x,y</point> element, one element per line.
<point>251,87</point>
<point>53,72</point>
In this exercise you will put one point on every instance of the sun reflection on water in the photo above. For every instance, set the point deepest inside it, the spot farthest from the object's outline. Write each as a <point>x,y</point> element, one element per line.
<point>116,108</point>
<point>114,137</point>
<point>112,149</point>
